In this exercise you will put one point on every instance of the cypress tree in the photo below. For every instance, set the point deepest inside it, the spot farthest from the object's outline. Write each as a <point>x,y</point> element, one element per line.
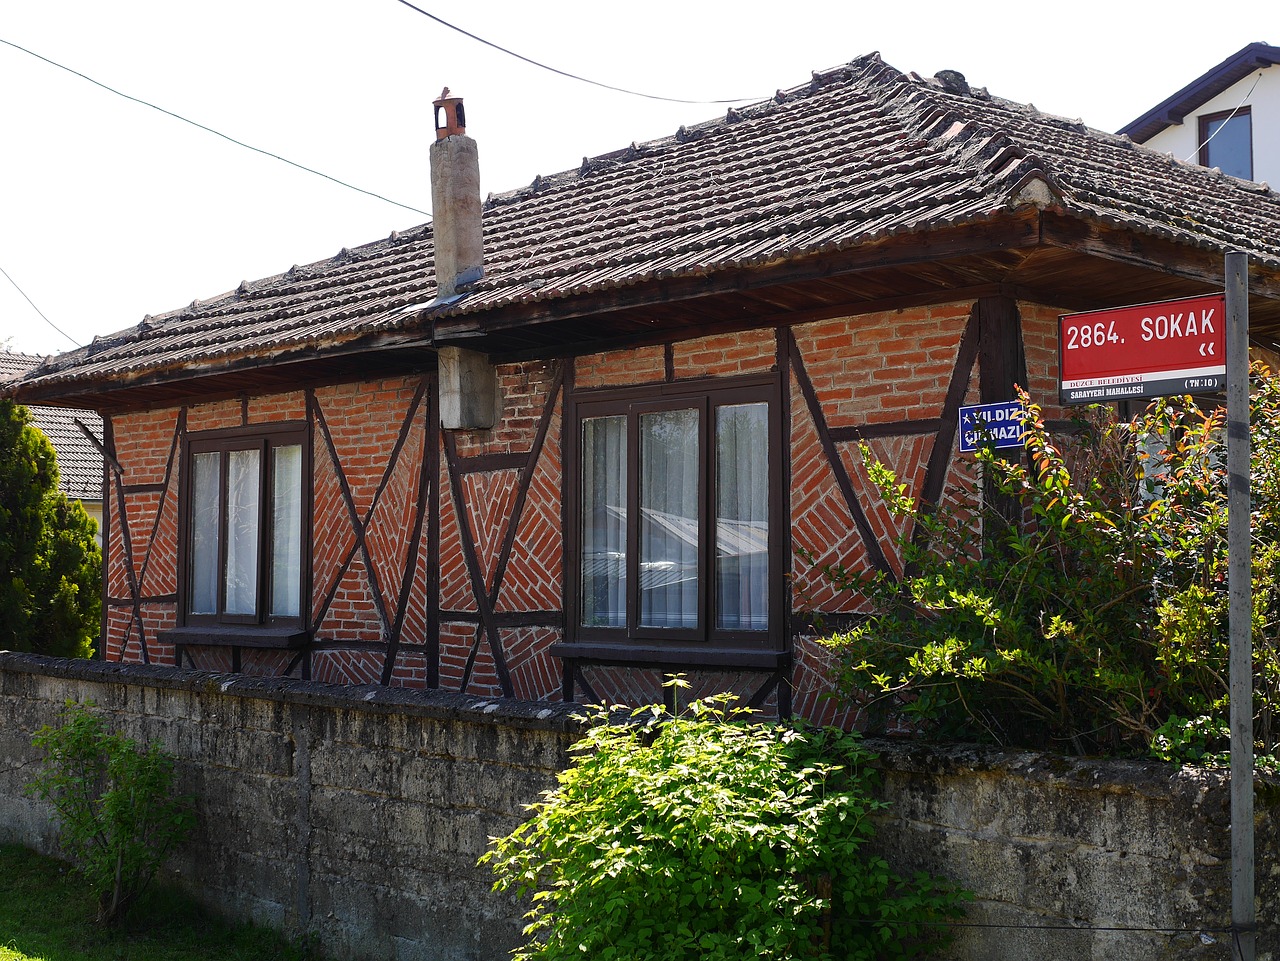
<point>50,566</point>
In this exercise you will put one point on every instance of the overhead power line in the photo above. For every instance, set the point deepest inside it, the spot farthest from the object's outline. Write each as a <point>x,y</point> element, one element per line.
<point>1222,125</point>
<point>216,133</point>
<point>37,309</point>
<point>565,73</point>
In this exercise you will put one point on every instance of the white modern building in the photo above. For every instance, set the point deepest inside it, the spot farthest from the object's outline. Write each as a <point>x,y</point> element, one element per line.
<point>1227,118</point>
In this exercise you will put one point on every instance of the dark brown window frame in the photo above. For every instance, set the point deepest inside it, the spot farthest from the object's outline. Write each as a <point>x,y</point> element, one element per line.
<point>223,440</point>
<point>707,644</point>
<point>1203,131</point>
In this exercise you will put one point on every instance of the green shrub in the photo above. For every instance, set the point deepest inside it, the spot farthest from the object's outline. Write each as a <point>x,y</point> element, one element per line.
<point>114,801</point>
<point>706,836</point>
<point>1100,616</point>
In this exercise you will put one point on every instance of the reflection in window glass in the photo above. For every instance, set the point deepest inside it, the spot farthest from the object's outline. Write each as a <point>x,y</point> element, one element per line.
<point>669,519</point>
<point>1228,144</point>
<point>604,522</point>
<point>742,517</point>
<point>205,515</point>
<point>242,532</point>
<point>286,530</point>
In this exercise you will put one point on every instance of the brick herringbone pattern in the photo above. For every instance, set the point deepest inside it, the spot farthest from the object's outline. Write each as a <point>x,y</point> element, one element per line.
<point>535,674</point>
<point>346,667</point>
<point>489,497</point>
<point>534,572</point>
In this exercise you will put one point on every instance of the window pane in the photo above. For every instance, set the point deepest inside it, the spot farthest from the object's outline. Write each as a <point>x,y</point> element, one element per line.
<point>242,531</point>
<point>604,522</point>
<point>205,514</point>
<point>669,519</point>
<point>1231,148</point>
<point>742,517</point>
<point>286,531</point>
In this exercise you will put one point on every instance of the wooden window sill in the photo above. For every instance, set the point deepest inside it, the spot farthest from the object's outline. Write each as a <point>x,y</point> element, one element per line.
<point>279,638</point>
<point>692,657</point>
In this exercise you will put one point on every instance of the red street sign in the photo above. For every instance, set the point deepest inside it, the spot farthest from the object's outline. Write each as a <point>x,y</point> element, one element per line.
<point>1149,350</point>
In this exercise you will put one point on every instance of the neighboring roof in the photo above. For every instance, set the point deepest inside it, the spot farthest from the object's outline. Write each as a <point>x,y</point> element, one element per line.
<point>79,461</point>
<point>1201,90</point>
<point>853,160</point>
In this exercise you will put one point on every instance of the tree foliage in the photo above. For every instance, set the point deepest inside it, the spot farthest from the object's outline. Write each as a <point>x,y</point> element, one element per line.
<point>50,565</point>
<point>707,836</point>
<point>1098,621</point>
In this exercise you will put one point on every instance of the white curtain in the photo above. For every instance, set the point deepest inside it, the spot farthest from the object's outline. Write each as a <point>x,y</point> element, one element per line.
<point>206,515</point>
<point>242,531</point>
<point>669,519</point>
<point>286,531</point>
<point>742,517</point>
<point>604,522</point>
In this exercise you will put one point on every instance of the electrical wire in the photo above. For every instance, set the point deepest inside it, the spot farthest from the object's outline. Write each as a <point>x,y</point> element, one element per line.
<point>1194,158</point>
<point>37,309</point>
<point>216,133</point>
<point>565,73</point>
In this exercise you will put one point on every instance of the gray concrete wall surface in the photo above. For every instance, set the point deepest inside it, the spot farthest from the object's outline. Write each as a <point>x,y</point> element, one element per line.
<point>1071,858</point>
<point>351,814</point>
<point>356,815</point>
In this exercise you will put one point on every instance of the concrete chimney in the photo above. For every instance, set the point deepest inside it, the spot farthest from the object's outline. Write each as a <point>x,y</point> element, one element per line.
<point>468,383</point>
<point>455,199</point>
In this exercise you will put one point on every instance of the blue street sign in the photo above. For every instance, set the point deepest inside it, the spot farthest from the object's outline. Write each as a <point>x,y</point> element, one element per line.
<point>991,425</point>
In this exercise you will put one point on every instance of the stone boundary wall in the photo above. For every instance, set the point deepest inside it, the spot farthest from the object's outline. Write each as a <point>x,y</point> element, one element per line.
<point>352,814</point>
<point>356,814</point>
<point>1138,851</point>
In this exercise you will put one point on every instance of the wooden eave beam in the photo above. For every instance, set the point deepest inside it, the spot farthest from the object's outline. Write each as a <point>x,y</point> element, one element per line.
<point>1152,253</point>
<point>1016,231</point>
<point>851,308</point>
<point>289,369</point>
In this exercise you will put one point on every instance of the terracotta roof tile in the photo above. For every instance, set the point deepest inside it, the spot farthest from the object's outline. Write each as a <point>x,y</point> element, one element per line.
<point>861,153</point>
<point>79,461</point>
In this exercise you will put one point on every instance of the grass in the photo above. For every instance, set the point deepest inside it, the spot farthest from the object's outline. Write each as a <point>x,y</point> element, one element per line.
<point>46,914</point>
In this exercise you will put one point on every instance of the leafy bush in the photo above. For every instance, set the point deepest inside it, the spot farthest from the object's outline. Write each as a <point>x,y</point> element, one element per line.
<point>50,591</point>
<point>706,836</point>
<point>114,799</point>
<point>1100,616</point>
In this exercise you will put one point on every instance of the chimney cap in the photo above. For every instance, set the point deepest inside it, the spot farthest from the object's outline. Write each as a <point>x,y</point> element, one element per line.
<point>451,119</point>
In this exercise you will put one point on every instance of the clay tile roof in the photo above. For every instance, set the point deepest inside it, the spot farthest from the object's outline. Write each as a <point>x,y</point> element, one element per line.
<point>79,461</point>
<point>858,154</point>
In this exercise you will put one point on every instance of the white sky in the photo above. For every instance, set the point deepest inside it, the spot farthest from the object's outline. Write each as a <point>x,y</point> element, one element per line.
<point>110,210</point>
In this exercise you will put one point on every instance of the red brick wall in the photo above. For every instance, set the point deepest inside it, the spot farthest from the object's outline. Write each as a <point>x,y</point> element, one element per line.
<point>643,365</point>
<point>879,368</point>
<point>874,369</point>
<point>1040,339</point>
<point>496,517</point>
<point>724,355</point>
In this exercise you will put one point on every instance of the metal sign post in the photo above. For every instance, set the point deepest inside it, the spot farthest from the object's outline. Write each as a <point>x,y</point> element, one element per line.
<point>1181,347</point>
<point>1240,582</point>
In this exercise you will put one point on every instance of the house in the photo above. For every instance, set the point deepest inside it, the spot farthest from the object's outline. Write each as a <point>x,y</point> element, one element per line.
<point>606,427</point>
<point>1227,118</point>
<point>75,436</point>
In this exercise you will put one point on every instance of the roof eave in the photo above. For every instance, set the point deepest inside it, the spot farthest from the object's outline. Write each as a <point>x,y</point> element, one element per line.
<point>1172,110</point>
